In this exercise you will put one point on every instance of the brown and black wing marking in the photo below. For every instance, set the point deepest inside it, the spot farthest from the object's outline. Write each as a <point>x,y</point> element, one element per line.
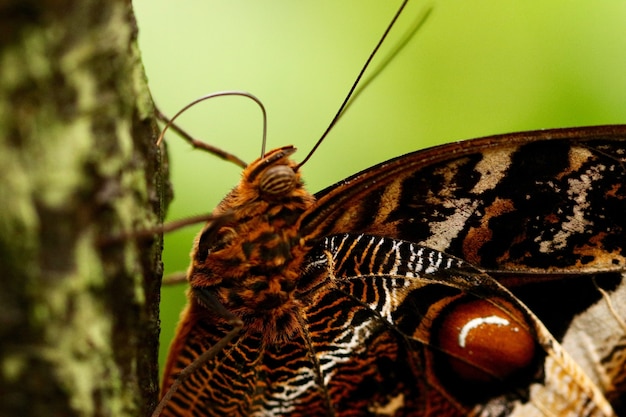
<point>540,201</point>
<point>408,330</point>
<point>543,211</point>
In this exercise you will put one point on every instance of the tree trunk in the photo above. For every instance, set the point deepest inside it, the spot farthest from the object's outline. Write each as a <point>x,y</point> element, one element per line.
<point>78,166</point>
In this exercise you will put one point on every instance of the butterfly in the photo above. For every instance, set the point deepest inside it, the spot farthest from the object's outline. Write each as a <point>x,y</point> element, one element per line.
<point>484,277</point>
<point>428,285</point>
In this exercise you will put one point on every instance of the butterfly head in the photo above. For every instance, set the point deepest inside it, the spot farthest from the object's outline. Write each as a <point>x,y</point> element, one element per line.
<point>274,175</point>
<point>271,180</point>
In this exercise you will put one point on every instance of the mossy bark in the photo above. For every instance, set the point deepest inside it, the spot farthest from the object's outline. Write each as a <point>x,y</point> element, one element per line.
<point>78,166</point>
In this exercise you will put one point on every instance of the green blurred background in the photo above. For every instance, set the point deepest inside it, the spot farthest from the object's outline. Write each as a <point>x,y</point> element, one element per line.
<point>476,68</point>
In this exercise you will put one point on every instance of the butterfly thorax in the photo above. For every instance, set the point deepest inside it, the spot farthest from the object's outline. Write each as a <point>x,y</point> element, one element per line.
<point>249,257</point>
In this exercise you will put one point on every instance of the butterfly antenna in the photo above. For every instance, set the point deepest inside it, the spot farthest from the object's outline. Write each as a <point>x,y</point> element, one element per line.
<point>358,88</point>
<point>417,25</point>
<point>199,144</point>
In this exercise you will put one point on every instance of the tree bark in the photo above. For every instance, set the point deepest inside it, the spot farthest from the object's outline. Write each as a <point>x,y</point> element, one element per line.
<point>78,165</point>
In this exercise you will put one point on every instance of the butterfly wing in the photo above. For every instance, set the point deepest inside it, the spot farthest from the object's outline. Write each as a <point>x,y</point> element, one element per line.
<point>534,201</point>
<point>417,294</point>
<point>247,378</point>
<point>537,207</point>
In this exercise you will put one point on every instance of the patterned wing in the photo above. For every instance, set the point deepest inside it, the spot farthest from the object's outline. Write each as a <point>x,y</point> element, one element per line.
<point>371,343</point>
<point>528,202</point>
<point>543,212</point>
<point>444,317</point>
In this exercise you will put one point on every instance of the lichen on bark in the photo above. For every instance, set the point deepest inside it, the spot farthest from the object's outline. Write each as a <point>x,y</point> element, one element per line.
<point>79,321</point>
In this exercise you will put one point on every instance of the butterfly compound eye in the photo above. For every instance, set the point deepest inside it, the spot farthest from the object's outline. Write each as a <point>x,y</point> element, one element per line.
<point>277,181</point>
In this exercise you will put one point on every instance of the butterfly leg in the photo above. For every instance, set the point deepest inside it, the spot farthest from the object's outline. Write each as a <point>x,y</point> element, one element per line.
<point>175,278</point>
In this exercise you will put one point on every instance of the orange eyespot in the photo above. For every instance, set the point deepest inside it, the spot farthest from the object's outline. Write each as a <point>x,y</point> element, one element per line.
<point>486,343</point>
